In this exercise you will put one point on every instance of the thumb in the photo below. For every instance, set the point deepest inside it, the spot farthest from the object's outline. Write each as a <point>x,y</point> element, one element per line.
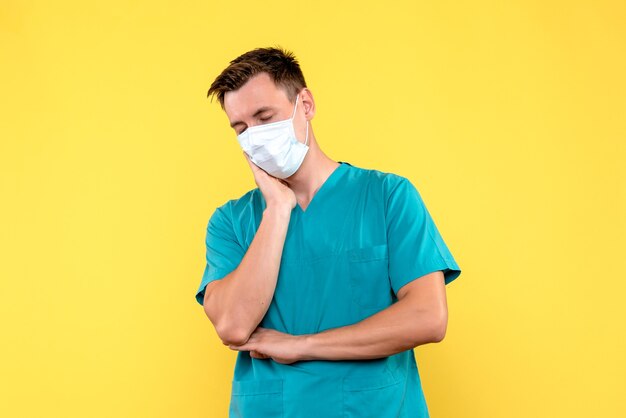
<point>250,163</point>
<point>247,157</point>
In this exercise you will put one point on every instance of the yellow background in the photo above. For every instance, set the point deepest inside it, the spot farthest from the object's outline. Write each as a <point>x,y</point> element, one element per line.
<point>509,117</point>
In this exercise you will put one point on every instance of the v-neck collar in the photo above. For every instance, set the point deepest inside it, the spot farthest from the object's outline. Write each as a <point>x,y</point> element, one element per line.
<point>323,189</point>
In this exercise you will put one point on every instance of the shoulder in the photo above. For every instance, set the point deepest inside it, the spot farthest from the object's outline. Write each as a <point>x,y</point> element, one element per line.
<point>238,207</point>
<point>395,193</point>
<point>387,182</point>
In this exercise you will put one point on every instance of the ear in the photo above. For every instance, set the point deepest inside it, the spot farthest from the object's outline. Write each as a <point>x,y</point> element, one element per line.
<point>308,102</point>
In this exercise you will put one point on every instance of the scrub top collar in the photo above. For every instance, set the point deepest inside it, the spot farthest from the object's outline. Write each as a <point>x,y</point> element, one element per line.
<point>328,184</point>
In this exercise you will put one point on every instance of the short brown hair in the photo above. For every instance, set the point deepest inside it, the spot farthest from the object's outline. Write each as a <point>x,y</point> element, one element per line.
<point>281,65</point>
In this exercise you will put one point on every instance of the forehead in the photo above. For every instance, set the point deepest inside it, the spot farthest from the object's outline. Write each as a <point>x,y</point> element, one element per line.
<point>257,92</point>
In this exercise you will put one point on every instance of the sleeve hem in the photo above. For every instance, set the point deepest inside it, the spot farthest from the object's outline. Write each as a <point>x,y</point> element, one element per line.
<point>449,267</point>
<point>216,274</point>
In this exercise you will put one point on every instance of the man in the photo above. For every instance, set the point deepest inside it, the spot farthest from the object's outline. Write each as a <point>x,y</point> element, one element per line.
<point>325,276</point>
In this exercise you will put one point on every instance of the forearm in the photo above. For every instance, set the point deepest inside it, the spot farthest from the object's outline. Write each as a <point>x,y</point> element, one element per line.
<point>397,328</point>
<point>239,301</point>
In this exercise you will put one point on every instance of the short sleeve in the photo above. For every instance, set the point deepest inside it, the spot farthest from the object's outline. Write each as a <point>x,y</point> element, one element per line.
<point>223,251</point>
<point>415,245</point>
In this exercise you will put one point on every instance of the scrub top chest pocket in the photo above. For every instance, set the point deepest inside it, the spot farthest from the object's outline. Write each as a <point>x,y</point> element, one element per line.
<point>369,276</point>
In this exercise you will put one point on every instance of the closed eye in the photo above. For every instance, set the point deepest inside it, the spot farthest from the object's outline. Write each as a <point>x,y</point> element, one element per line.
<point>261,119</point>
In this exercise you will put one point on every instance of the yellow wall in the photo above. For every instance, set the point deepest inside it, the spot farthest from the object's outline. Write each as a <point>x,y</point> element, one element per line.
<point>508,116</point>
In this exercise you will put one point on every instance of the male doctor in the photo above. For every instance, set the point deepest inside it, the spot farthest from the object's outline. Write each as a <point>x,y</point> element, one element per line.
<point>325,276</point>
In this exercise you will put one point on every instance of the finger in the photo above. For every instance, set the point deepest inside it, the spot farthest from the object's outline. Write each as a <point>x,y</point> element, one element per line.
<point>256,169</point>
<point>253,167</point>
<point>257,354</point>
<point>250,163</point>
<point>243,347</point>
<point>245,156</point>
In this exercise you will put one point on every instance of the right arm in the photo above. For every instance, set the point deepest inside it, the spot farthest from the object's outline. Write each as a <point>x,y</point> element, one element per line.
<point>237,303</point>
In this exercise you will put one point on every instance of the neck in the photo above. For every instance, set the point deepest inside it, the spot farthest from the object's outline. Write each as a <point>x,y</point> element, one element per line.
<point>313,172</point>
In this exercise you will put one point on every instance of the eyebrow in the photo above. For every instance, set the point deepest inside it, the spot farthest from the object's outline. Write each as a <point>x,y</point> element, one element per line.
<point>257,113</point>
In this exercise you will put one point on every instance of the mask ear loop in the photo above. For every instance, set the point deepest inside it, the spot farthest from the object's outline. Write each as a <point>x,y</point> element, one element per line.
<point>295,107</point>
<point>306,139</point>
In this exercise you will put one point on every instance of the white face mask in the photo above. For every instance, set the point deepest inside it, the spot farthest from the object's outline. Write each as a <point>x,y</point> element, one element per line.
<point>274,146</point>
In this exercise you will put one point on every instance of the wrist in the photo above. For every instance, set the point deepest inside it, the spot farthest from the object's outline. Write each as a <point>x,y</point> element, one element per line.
<point>278,210</point>
<point>304,347</point>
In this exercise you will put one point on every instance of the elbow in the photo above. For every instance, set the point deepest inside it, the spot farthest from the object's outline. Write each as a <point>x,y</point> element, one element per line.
<point>439,334</point>
<point>431,330</point>
<point>228,332</point>
<point>232,335</point>
<point>438,327</point>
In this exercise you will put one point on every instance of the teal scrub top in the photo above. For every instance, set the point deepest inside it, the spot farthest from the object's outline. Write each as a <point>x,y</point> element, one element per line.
<point>363,236</point>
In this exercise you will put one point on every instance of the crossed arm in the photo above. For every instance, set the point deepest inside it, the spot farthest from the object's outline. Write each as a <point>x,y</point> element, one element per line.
<point>420,316</point>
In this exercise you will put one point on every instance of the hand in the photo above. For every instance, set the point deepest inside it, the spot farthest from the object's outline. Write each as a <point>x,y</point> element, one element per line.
<point>266,343</point>
<point>275,190</point>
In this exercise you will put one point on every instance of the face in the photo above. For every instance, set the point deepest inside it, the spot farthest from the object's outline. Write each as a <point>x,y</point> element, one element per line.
<point>259,101</point>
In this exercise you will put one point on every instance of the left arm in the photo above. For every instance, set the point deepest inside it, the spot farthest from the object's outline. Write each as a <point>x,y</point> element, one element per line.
<point>420,316</point>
